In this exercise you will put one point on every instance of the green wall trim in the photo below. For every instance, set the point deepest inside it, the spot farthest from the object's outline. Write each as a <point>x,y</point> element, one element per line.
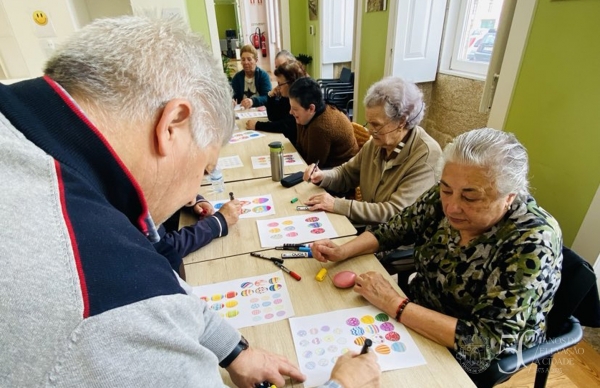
<point>225,14</point>
<point>198,18</point>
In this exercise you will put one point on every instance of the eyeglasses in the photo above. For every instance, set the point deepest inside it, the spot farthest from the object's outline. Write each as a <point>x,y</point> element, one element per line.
<point>379,128</point>
<point>284,83</point>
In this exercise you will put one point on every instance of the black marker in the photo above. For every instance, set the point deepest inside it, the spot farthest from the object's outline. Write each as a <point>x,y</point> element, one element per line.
<point>231,196</point>
<point>366,345</point>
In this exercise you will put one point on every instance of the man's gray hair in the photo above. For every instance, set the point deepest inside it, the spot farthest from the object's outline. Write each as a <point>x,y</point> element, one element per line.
<point>286,54</point>
<point>401,100</point>
<point>129,68</point>
<point>498,152</point>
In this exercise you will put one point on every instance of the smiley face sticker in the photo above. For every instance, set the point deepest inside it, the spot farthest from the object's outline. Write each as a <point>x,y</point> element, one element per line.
<point>40,17</point>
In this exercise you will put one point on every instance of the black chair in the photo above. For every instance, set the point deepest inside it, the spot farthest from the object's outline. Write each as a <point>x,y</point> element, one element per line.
<point>346,79</point>
<point>576,300</point>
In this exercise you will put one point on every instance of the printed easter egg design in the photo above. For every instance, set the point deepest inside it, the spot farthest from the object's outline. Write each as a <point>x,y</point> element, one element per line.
<point>287,222</point>
<point>218,206</point>
<point>216,297</point>
<point>341,340</point>
<point>332,348</point>
<point>307,354</point>
<point>265,297</point>
<point>272,224</point>
<point>325,328</point>
<point>254,306</point>
<point>274,230</point>
<point>267,303</point>
<point>261,290</point>
<point>304,343</point>
<point>382,317</point>
<point>260,200</point>
<point>269,316</point>
<point>246,285</point>
<point>261,209</point>
<point>275,287</point>
<point>320,351</point>
<point>317,231</point>
<point>337,331</point>
<point>378,339</point>
<point>292,234</point>
<point>359,340</point>
<point>276,236</point>
<point>253,300</point>
<point>289,228</point>
<point>232,313</point>
<point>274,280</point>
<point>301,333</point>
<point>382,349</point>
<point>323,362</point>
<point>310,365</point>
<point>255,312</point>
<point>231,294</point>
<point>386,326</point>
<point>357,331</point>
<point>316,341</point>
<point>329,338</point>
<point>247,292</point>
<point>217,306</point>
<point>311,219</point>
<point>352,321</point>
<point>257,318</point>
<point>367,319</point>
<point>315,224</point>
<point>260,282</point>
<point>278,301</point>
<point>398,347</point>
<point>392,336</point>
<point>231,303</point>
<point>277,294</point>
<point>314,331</point>
<point>371,329</point>
<point>279,307</point>
<point>344,350</point>
<point>268,309</point>
<point>280,313</point>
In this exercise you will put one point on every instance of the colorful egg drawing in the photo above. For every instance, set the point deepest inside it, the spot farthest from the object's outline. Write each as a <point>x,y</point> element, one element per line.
<point>247,292</point>
<point>332,349</point>
<point>272,224</point>
<point>277,294</point>
<point>216,297</point>
<point>371,329</point>
<point>307,354</point>
<point>329,338</point>
<point>275,287</point>
<point>231,294</point>
<point>315,224</point>
<point>359,341</point>
<point>341,340</point>
<point>216,306</point>
<point>255,312</point>
<point>279,307</point>
<point>387,326</point>
<point>267,303</point>
<point>317,231</point>
<point>260,282</point>
<point>257,318</point>
<point>325,328</point>
<point>287,222</point>
<point>269,316</point>
<point>302,333</point>
<point>367,319</point>
<point>313,331</point>
<point>316,341</point>
<point>280,313</point>
<point>289,228</point>
<point>323,362</point>
<point>268,309</point>
<point>274,280</point>
<point>277,236</point>
<point>278,301</point>
<point>204,298</point>
<point>265,297</point>
<point>261,209</point>
<point>253,300</point>
<point>260,290</point>
<point>392,336</point>
<point>254,306</point>
<point>232,313</point>
<point>292,234</point>
<point>246,285</point>
<point>260,200</point>
<point>304,343</point>
<point>218,206</point>
<point>382,317</point>
<point>231,303</point>
<point>352,321</point>
<point>378,339</point>
<point>357,331</point>
<point>382,349</point>
<point>344,350</point>
<point>398,347</point>
<point>320,351</point>
<point>254,135</point>
<point>311,219</point>
<point>274,230</point>
<point>310,365</point>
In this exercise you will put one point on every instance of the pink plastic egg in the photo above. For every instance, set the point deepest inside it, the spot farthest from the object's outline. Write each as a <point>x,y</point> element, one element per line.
<point>344,279</point>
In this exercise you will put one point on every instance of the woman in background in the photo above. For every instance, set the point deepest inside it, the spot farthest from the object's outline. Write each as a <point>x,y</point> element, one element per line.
<point>251,84</point>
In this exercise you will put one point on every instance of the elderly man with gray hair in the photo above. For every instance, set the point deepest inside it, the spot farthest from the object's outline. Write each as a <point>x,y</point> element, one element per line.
<point>110,142</point>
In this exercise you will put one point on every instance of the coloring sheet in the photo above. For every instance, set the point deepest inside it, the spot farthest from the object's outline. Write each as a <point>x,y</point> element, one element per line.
<point>239,137</point>
<point>320,339</point>
<point>249,301</point>
<point>258,206</point>
<point>250,115</point>
<point>290,159</point>
<point>226,162</point>
<point>295,229</point>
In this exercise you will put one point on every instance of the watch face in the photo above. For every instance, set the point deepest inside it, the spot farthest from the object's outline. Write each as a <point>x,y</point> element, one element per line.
<point>244,343</point>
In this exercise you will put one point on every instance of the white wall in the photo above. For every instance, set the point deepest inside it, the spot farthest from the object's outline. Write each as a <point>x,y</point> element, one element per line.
<point>108,8</point>
<point>160,8</point>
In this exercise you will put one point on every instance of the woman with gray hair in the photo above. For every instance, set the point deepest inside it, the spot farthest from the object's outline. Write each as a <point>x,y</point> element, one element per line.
<point>393,168</point>
<point>487,256</point>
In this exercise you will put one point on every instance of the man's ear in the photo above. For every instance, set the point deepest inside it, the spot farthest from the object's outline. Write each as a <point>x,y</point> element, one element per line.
<point>174,121</point>
<point>312,108</point>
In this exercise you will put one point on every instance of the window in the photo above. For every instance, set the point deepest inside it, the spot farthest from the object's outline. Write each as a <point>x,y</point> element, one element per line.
<point>469,37</point>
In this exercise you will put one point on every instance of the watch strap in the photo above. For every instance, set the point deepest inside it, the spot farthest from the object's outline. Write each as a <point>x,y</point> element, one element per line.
<point>240,347</point>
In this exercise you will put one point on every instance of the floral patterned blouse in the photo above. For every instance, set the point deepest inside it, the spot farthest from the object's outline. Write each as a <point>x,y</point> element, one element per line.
<point>500,286</point>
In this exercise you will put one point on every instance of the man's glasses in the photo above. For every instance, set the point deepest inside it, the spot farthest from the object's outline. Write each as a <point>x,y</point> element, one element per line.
<point>284,83</point>
<point>376,130</point>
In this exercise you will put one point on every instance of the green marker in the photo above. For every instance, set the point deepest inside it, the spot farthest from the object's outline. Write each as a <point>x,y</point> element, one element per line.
<point>294,200</point>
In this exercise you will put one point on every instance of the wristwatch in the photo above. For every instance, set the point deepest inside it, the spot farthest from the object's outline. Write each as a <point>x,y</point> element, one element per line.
<point>240,347</point>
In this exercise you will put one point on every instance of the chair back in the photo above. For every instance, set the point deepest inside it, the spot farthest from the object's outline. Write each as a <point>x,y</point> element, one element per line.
<point>346,75</point>
<point>361,134</point>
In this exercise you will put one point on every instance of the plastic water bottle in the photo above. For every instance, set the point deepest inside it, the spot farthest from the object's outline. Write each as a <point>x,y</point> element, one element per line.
<point>217,181</point>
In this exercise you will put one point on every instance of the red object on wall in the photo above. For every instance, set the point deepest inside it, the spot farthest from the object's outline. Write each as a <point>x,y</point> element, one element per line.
<point>256,38</point>
<point>263,44</point>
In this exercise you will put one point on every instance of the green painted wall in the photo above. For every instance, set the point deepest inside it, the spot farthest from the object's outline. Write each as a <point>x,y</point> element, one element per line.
<point>298,26</point>
<point>373,40</point>
<point>555,110</point>
<point>225,14</point>
<point>198,18</point>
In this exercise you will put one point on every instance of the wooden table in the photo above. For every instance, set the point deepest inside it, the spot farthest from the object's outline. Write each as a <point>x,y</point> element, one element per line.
<point>243,236</point>
<point>241,123</point>
<point>311,297</point>
<point>256,147</point>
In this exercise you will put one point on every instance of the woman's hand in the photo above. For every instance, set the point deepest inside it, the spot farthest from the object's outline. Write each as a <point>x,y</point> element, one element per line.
<point>322,201</point>
<point>315,177</point>
<point>251,124</point>
<point>326,250</point>
<point>246,103</point>
<point>378,291</point>
<point>275,92</point>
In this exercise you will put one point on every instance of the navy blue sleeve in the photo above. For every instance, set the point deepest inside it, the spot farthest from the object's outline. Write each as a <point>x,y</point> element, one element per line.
<point>191,238</point>
<point>237,84</point>
<point>263,87</point>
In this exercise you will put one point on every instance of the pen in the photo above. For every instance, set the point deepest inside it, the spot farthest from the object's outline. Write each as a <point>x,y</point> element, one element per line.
<point>286,270</point>
<point>366,345</point>
<point>300,248</point>
<point>313,171</point>
<point>231,196</point>
<point>273,259</point>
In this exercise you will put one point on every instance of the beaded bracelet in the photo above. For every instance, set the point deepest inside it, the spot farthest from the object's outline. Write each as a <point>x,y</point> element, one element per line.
<point>401,308</point>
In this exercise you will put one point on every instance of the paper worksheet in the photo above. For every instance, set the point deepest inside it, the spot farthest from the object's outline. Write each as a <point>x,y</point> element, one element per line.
<point>250,115</point>
<point>320,339</point>
<point>226,162</point>
<point>295,229</point>
<point>249,301</point>
<point>289,159</point>
<point>257,206</point>
<point>239,137</point>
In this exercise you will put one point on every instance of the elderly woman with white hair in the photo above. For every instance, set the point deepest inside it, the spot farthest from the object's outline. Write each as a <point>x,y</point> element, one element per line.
<point>393,168</point>
<point>487,256</point>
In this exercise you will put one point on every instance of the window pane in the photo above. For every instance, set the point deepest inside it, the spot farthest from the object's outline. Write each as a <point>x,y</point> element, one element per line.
<point>479,30</point>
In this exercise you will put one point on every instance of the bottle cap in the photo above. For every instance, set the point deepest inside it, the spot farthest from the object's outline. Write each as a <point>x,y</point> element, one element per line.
<point>276,145</point>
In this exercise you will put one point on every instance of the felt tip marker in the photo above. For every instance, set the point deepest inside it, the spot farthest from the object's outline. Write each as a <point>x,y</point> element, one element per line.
<point>313,170</point>
<point>291,273</point>
<point>296,255</point>
<point>366,345</point>
<point>302,208</point>
<point>294,200</point>
<point>231,197</point>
